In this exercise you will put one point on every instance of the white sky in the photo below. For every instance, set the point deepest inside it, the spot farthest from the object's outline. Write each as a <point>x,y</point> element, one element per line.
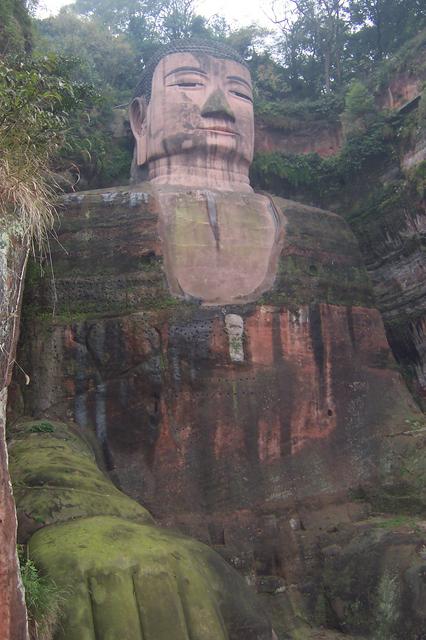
<point>242,12</point>
<point>239,12</point>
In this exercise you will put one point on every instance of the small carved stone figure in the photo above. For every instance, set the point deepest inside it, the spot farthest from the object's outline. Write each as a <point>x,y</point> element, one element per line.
<point>235,328</point>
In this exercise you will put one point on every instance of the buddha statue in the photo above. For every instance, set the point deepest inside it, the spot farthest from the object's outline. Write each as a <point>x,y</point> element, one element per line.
<point>122,577</point>
<point>224,348</point>
<point>192,118</point>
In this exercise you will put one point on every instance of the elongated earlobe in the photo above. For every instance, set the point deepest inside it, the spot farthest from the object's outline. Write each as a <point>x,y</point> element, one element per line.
<point>137,117</point>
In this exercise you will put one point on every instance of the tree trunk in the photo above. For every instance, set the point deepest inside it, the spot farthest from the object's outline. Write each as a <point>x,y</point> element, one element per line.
<point>379,32</point>
<point>327,70</point>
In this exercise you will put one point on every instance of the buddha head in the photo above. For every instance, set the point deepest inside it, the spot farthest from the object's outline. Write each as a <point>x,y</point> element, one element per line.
<point>192,117</point>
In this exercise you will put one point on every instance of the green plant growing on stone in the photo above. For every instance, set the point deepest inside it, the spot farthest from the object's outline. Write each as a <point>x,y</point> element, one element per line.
<point>41,427</point>
<point>416,424</point>
<point>387,607</point>
<point>42,597</point>
<point>321,179</point>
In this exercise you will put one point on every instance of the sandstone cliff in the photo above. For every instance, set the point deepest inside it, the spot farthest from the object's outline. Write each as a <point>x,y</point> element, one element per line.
<point>282,452</point>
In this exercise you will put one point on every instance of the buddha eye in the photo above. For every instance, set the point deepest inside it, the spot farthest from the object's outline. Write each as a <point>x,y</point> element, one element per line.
<point>186,84</point>
<point>189,84</point>
<point>244,96</point>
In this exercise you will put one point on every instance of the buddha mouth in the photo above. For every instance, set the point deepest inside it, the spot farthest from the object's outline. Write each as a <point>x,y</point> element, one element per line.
<point>220,129</point>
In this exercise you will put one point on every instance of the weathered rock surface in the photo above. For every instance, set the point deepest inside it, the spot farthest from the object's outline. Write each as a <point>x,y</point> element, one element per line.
<point>391,226</point>
<point>374,576</point>
<point>218,248</point>
<point>13,621</point>
<point>320,137</point>
<point>253,447</point>
<point>402,88</point>
<point>397,269</point>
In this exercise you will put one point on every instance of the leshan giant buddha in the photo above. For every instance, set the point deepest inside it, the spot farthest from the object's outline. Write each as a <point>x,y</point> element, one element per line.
<point>192,119</point>
<point>223,344</point>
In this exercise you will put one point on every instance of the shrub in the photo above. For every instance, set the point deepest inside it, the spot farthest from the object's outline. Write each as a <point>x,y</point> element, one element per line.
<point>35,102</point>
<point>41,427</point>
<point>359,109</point>
<point>42,598</point>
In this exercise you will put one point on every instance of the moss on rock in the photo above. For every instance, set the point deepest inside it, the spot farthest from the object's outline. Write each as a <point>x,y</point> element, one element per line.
<point>56,478</point>
<point>123,577</point>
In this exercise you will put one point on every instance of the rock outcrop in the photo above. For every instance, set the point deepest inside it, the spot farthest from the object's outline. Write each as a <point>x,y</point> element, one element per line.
<point>318,136</point>
<point>389,220</point>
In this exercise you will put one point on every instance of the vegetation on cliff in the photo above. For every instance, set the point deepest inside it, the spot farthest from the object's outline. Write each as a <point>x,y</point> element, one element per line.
<point>43,599</point>
<point>35,101</point>
<point>303,74</point>
<point>318,180</point>
<point>15,27</point>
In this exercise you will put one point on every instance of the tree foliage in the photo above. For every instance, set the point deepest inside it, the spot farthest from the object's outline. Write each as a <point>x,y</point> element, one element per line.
<point>36,100</point>
<point>325,43</point>
<point>15,27</point>
<point>144,22</point>
<point>360,110</point>
<point>381,26</point>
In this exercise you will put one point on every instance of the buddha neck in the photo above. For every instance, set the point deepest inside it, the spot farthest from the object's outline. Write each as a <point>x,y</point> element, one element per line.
<point>213,175</point>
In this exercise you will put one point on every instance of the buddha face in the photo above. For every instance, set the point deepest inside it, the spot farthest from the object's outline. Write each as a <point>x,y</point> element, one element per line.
<point>200,116</point>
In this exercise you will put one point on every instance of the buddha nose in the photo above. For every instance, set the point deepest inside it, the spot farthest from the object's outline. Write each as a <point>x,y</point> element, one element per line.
<point>216,106</point>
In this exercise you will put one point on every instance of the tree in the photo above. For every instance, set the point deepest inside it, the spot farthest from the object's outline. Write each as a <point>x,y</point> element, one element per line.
<point>106,61</point>
<point>92,156</point>
<point>160,20</point>
<point>383,25</point>
<point>360,110</point>
<point>36,100</point>
<point>176,19</point>
<point>312,40</point>
<point>15,27</point>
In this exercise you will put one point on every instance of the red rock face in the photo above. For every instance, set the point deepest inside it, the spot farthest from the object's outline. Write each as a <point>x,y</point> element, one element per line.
<point>322,138</point>
<point>13,624</point>
<point>196,437</point>
<point>210,445</point>
<point>13,621</point>
<point>403,88</point>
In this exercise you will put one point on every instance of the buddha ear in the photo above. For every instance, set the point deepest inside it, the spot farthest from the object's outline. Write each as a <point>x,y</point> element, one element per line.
<point>137,117</point>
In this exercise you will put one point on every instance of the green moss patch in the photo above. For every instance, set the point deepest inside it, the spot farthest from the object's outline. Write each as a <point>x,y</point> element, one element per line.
<point>56,478</point>
<point>123,577</point>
